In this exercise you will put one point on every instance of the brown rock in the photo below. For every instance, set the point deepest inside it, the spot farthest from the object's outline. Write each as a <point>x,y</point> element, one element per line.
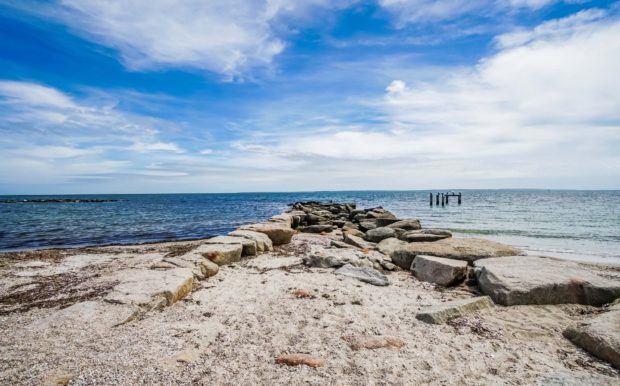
<point>359,342</point>
<point>300,359</point>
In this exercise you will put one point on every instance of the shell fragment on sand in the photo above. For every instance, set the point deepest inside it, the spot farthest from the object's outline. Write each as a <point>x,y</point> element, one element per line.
<point>444,312</point>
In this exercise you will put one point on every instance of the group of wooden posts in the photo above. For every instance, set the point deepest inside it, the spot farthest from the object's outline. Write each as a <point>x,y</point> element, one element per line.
<point>444,198</point>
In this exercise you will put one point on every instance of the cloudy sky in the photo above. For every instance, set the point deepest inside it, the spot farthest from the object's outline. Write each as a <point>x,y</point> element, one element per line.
<point>288,95</point>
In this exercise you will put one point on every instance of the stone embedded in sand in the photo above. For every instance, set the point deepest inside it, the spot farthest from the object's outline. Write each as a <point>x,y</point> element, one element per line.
<point>145,287</point>
<point>263,242</point>
<point>425,235</point>
<point>444,312</point>
<point>600,336</point>
<point>363,274</point>
<point>88,316</point>
<point>336,257</point>
<point>220,254</point>
<point>300,359</point>
<point>275,263</point>
<point>469,249</point>
<point>278,232</point>
<point>541,280</point>
<point>438,270</point>
<point>357,241</point>
<point>359,342</point>
<point>397,251</point>
<point>377,234</point>
<point>411,224</point>
<point>248,245</point>
<point>575,378</point>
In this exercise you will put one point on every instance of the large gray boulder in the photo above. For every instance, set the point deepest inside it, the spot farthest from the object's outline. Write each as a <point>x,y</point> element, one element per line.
<point>377,234</point>
<point>438,270</point>
<point>444,312</point>
<point>541,280</point>
<point>397,251</point>
<point>600,336</point>
<point>410,224</point>
<point>249,247</point>
<point>425,235</point>
<point>279,232</point>
<point>363,274</point>
<point>263,242</point>
<point>469,249</point>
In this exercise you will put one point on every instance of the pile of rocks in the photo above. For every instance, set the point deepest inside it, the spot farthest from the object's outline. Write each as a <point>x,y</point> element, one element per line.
<point>365,244</point>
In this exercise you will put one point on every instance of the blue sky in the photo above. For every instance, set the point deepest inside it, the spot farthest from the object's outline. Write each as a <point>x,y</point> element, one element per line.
<point>275,95</point>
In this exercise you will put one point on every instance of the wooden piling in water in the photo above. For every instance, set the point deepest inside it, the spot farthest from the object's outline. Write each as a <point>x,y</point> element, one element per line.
<point>442,200</point>
<point>459,198</point>
<point>431,199</point>
<point>437,201</point>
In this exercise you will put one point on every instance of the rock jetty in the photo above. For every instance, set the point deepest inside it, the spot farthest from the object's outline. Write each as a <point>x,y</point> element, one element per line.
<point>308,288</point>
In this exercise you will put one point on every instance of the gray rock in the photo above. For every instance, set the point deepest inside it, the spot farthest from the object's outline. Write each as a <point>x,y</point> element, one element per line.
<point>366,225</point>
<point>397,251</point>
<point>249,247</point>
<point>358,241</point>
<point>278,232</point>
<point>340,244</point>
<point>363,274</point>
<point>540,280</point>
<point>220,254</point>
<point>438,270</point>
<point>319,228</point>
<point>275,263</point>
<point>380,233</point>
<point>600,336</point>
<point>151,288</point>
<point>263,242</point>
<point>284,218</point>
<point>469,249</point>
<point>425,235</point>
<point>444,312</point>
<point>410,224</point>
<point>337,257</point>
<point>575,378</point>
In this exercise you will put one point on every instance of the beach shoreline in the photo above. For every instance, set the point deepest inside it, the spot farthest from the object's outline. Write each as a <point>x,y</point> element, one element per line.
<point>163,313</point>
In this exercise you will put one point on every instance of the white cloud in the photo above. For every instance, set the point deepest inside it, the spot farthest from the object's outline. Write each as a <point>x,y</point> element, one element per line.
<point>14,92</point>
<point>142,147</point>
<point>206,151</point>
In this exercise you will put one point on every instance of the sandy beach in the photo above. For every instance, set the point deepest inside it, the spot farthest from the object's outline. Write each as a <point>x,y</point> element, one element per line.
<point>60,325</point>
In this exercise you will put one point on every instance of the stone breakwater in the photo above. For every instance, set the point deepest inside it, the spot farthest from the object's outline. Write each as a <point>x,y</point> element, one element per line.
<point>367,246</point>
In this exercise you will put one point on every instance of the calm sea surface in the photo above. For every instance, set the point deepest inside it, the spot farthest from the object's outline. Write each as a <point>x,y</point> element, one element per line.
<point>582,225</point>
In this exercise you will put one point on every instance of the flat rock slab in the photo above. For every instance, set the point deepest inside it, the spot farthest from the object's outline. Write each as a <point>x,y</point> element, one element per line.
<point>444,312</point>
<point>151,288</point>
<point>380,233</point>
<point>220,254</point>
<point>438,270</point>
<point>263,242</point>
<point>249,247</point>
<point>357,241</point>
<point>469,249</point>
<point>275,263</point>
<point>411,224</point>
<point>574,378</point>
<point>279,232</point>
<point>363,274</point>
<point>425,235</point>
<point>599,336</point>
<point>90,316</point>
<point>336,257</point>
<point>540,280</point>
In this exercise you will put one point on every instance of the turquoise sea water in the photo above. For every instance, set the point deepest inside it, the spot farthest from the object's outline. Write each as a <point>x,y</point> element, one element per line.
<point>582,225</point>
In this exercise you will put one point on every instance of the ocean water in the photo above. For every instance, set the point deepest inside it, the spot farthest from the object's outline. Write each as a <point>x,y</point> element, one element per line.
<point>579,225</point>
